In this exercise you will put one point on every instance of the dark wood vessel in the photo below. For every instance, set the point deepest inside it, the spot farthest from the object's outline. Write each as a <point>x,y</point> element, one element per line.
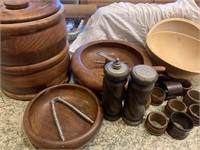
<point>34,48</point>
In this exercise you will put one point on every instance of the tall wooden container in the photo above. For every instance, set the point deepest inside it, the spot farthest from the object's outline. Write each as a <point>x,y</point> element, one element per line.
<point>34,48</point>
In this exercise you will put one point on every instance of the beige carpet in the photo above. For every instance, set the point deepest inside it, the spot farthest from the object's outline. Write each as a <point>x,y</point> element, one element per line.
<point>113,135</point>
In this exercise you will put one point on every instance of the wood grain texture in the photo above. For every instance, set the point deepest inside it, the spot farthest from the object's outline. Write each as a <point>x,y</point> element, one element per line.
<point>28,69</point>
<point>35,82</point>
<point>33,48</point>
<point>14,29</point>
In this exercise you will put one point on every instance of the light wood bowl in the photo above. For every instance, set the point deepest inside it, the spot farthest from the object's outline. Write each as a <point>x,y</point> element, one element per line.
<point>40,126</point>
<point>178,52</point>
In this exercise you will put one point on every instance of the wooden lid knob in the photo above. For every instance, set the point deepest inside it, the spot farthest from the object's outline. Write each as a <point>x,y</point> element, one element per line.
<point>16,4</point>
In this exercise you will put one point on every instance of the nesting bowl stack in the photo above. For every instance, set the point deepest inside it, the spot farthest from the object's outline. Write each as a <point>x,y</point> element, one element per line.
<point>34,49</point>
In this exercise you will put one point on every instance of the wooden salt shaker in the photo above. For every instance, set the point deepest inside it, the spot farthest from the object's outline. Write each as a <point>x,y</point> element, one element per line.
<point>138,95</point>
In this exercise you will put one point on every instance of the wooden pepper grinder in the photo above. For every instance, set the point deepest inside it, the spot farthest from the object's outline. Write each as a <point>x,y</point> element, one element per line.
<point>114,81</point>
<point>139,91</point>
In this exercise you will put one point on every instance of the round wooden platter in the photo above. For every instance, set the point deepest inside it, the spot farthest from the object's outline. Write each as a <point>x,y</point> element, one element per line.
<point>90,74</point>
<point>40,125</point>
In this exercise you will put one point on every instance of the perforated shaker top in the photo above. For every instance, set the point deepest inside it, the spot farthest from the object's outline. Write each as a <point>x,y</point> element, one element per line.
<point>144,74</point>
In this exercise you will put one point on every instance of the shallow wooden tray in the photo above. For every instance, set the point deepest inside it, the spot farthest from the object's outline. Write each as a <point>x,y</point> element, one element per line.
<point>40,126</point>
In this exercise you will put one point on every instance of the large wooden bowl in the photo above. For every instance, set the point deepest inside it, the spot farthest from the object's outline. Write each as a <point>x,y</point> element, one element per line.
<point>40,126</point>
<point>91,74</point>
<point>179,53</point>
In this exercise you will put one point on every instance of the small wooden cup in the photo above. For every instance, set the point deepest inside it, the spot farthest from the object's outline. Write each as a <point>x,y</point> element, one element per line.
<point>157,97</point>
<point>156,123</point>
<point>174,105</point>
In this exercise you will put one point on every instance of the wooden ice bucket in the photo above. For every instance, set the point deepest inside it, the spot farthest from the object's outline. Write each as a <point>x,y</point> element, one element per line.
<point>34,49</point>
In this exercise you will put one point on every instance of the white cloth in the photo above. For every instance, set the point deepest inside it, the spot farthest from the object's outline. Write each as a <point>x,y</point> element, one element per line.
<point>131,22</point>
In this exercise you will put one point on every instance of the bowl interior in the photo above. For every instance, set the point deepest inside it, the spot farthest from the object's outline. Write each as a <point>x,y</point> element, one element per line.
<point>116,50</point>
<point>40,117</point>
<point>179,25</point>
<point>179,50</point>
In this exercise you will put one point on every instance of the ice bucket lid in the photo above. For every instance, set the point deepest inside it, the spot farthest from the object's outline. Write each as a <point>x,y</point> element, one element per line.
<point>17,11</point>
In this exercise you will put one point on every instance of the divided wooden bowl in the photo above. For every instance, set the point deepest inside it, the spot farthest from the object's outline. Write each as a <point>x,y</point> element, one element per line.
<point>175,44</point>
<point>40,126</point>
<point>90,74</point>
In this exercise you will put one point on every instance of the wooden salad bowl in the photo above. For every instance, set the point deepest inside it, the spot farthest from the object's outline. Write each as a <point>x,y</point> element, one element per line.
<point>178,52</point>
<point>39,123</point>
<point>175,43</point>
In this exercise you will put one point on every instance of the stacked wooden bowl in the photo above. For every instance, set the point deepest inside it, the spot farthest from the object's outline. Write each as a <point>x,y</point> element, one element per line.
<point>33,57</point>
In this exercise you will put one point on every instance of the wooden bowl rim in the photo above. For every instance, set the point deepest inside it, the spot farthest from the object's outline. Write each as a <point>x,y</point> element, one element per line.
<point>29,27</point>
<point>27,69</point>
<point>172,20</point>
